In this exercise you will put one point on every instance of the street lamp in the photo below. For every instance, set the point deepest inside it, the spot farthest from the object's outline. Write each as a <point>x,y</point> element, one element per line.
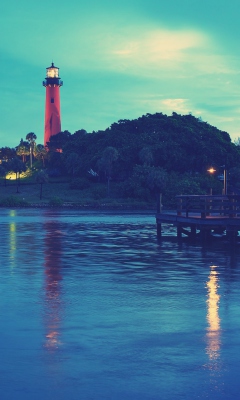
<point>224,180</point>
<point>211,171</point>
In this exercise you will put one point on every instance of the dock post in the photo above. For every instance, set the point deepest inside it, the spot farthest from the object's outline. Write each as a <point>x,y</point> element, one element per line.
<point>188,202</point>
<point>159,204</point>
<point>205,234</point>
<point>204,210</point>
<point>232,236</point>
<point>193,231</point>
<point>179,207</point>
<point>159,230</point>
<point>179,231</point>
<point>233,208</point>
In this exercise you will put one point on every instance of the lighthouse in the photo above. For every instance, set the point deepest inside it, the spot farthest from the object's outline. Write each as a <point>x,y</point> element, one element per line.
<point>52,84</point>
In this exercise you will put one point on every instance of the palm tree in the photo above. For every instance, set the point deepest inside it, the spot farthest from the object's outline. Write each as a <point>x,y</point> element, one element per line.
<point>40,153</point>
<point>109,155</point>
<point>41,178</point>
<point>31,137</point>
<point>23,150</point>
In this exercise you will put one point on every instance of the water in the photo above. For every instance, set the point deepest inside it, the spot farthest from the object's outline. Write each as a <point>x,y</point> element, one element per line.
<point>93,307</point>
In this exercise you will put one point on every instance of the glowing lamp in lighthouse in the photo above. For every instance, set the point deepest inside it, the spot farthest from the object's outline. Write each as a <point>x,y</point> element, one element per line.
<point>52,84</point>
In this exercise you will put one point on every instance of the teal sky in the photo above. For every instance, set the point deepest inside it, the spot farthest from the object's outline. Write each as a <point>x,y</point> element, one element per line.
<point>119,62</point>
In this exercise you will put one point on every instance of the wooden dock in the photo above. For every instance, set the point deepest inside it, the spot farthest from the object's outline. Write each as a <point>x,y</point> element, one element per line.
<point>203,216</point>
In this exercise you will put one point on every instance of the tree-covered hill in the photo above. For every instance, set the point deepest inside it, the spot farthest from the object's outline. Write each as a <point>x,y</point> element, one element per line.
<point>137,159</point>
<point>180,143</point>
<point>154,153</point>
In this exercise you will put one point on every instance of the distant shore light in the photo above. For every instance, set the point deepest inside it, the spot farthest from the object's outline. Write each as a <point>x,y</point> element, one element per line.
<point>211,170</point>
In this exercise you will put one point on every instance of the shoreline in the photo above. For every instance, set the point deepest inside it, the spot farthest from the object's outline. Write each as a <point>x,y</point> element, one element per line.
<point>122,207</point>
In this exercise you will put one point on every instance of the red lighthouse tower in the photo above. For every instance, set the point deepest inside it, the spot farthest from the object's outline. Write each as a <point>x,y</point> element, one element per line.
<point>52,84</point>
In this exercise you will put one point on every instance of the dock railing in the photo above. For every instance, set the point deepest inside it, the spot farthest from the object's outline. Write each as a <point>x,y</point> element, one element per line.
<point>209,205</point>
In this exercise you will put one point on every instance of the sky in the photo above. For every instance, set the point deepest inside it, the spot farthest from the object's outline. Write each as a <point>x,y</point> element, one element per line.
<point>119,60</point>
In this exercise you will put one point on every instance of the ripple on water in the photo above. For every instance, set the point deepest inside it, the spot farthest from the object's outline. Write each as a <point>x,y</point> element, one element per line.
<point>92,306</point>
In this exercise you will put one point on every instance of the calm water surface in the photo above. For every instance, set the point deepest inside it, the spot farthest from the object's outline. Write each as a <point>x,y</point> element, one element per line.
<point>93,307</point>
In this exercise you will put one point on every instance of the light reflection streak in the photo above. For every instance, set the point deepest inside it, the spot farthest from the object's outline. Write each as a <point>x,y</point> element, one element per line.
<point>12,239</point>
<point>214,329</point>
<point>53,277</point>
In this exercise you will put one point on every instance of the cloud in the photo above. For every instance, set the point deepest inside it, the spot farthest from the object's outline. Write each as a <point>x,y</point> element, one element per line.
<point>144,51</point>
<point>138,46</point>
<point>151,51</point>
<point>158,44</point>
<point>123,44</point>
<point>170,105</point>
<point>181,106</point>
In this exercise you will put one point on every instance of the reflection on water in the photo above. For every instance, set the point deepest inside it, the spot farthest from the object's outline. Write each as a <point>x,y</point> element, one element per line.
<point>213,336</point>
<point>12,238</point>
<point>214,329</point>
<point>52,266</point>
<point>121,315</point>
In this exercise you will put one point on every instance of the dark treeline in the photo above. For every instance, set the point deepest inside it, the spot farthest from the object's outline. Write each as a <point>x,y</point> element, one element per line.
<point>140,158</point>
<point>152,153</point>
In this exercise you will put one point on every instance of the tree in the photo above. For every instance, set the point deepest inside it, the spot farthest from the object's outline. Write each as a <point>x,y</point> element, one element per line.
<point>109,155</point>
<point>40,153</point>
<point>5,167</point>
<point>146,156</point>
<point>41,178</point>
<point>7,154</point>
<point>145,182</point>
<point>2,172</point>
<point>23,150</point>
<point>31,138</point>
<point>237,142</point>
<point>58,141</point>
<point>18,167</point>
<point>234,179</point>
<point>72,162</point>
<point>157,179</point>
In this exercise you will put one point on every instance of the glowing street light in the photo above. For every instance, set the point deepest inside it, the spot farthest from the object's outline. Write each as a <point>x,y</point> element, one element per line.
<point>211,171</point>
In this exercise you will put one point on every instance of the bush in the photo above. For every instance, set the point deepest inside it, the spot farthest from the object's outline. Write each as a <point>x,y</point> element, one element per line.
<point>178,184</point>
<point>99,192</point>
<point>132,188</point>
<point>79,183</point>
<point>54,172</point>
<point>13,201</point>
<point>56,202</point>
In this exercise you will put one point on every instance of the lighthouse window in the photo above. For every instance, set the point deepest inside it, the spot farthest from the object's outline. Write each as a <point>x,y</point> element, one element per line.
<point>52,100</point>
<point>52,72</point>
